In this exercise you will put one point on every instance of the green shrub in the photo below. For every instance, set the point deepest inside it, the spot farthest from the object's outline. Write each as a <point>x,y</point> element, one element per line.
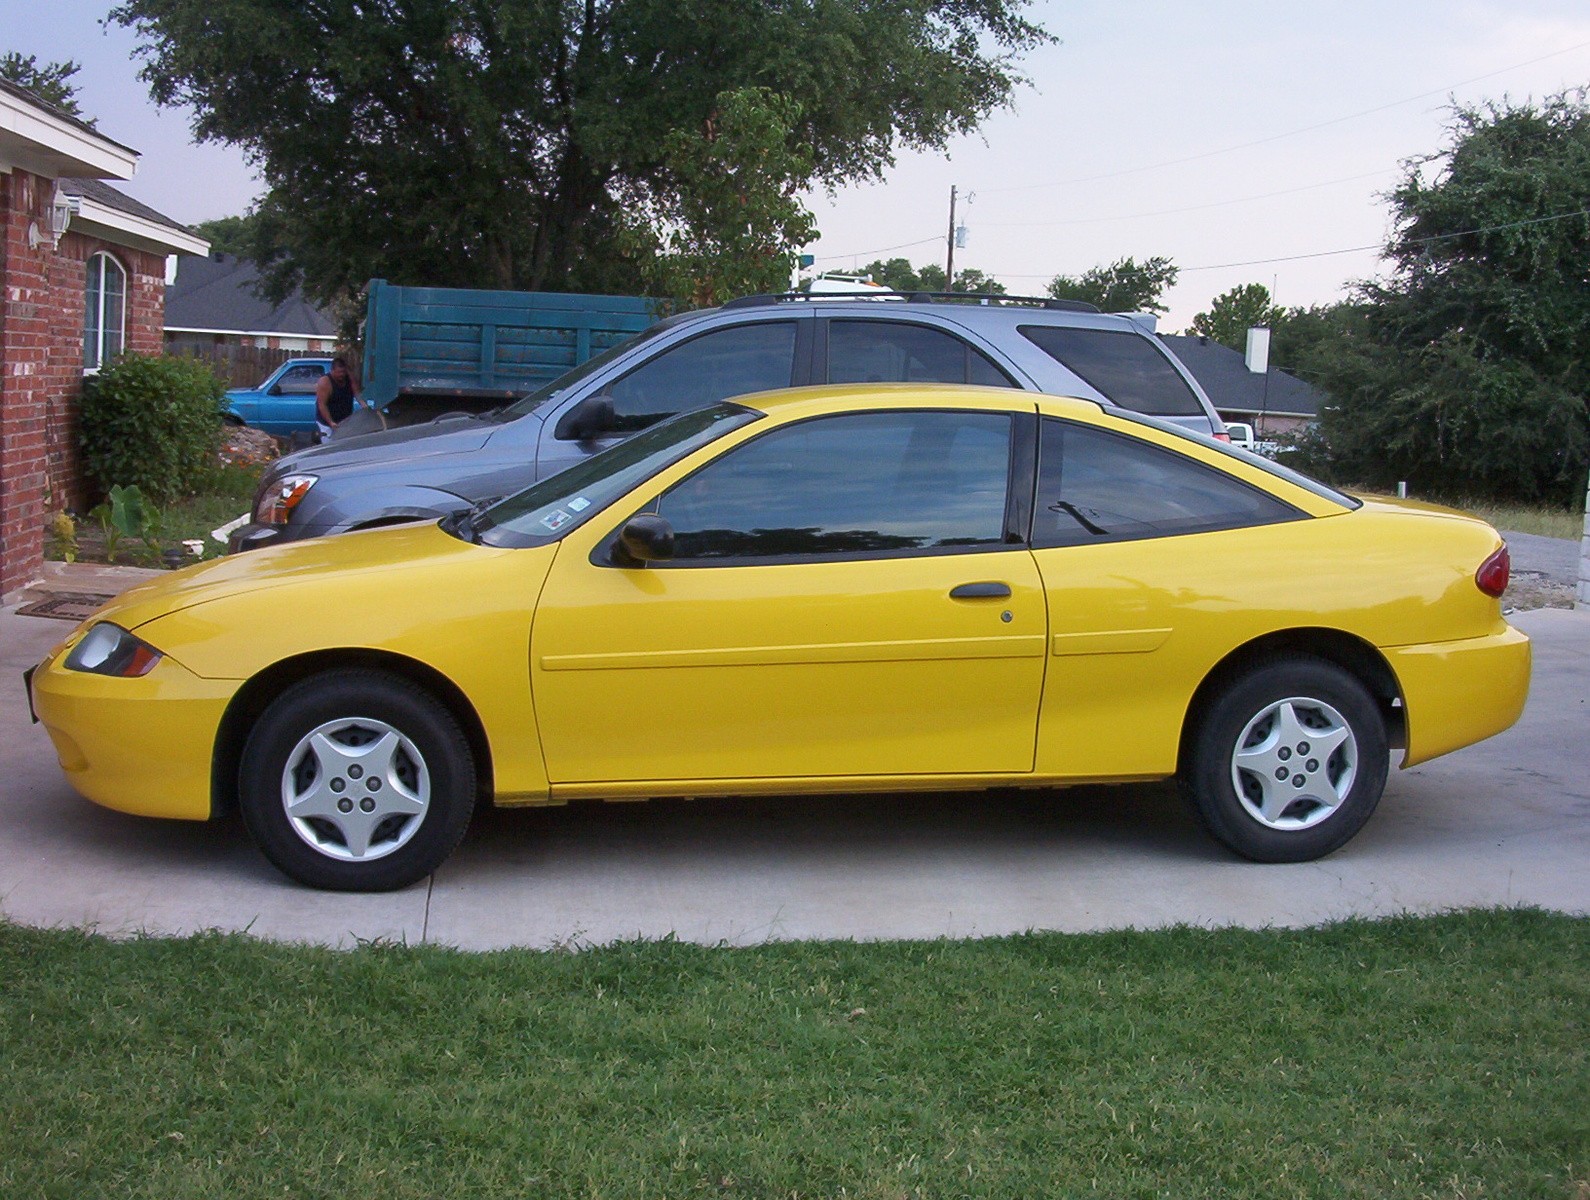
<point>151,422</point>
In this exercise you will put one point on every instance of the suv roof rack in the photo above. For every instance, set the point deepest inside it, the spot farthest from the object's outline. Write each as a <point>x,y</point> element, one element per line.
<point>877,297</point>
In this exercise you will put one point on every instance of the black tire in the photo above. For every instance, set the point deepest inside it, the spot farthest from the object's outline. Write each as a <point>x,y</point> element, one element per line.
<point>384,748</point>
<point>1288,762</point>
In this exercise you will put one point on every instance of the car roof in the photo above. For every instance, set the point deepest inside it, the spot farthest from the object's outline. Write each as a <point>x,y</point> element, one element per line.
<point>827,398</point>
<point>957,307</point>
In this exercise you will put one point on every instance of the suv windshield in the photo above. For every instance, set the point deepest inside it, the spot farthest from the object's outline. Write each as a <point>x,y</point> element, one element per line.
<point>547,510</point>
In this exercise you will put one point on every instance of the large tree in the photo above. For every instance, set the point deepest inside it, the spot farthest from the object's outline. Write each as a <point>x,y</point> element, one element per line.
<point>727,217</point>
<point>1468,372</point>
<point>493,143</point>
<point>1126,285</point>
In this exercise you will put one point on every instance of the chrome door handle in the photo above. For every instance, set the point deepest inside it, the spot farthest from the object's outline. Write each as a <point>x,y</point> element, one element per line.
<point>980,591</point>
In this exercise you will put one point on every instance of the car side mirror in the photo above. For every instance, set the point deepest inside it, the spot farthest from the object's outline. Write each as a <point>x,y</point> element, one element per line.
<point>645,538</point>
<point>275,390</point>
<point>588,419</point>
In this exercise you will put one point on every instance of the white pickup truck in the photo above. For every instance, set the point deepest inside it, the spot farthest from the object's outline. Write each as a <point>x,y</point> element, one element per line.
<point>1242,435</point>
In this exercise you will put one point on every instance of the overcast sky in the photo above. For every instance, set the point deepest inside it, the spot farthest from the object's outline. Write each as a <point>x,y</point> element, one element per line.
<point>1213,134</point>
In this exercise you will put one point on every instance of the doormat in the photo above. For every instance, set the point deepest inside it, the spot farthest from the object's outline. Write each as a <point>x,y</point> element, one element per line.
<point>65,606</point>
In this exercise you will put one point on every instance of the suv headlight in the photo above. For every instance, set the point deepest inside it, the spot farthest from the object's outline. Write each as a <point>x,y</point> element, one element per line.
<point>279,500</point>
<point>108,649</point>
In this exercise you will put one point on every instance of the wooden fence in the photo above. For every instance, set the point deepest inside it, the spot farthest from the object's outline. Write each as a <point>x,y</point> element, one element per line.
<point>247,366</point>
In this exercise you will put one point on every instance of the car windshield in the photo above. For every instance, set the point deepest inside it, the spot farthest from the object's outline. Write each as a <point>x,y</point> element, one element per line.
<point>585,370</point>
<point>549,509</point>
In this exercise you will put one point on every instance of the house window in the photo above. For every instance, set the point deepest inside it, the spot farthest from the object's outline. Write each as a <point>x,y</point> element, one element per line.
<point>104,312</point>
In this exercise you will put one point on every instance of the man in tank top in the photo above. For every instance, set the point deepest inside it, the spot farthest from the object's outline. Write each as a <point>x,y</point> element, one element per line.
<point>335,396</point>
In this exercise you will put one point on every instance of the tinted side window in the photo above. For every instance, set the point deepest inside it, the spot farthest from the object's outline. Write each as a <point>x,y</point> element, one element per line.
<point>298,381</point>
<point>894,483</point>
<point>896,352</point>
<point>713,367</point>
<point>1127,369</point>
<point>1096,486</point>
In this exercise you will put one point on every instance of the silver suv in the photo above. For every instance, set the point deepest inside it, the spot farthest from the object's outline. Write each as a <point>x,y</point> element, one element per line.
<point>690,361</point>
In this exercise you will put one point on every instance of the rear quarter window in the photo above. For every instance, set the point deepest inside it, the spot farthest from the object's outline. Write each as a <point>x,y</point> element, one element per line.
<point>1127,369</point>
<point>1099,486</point>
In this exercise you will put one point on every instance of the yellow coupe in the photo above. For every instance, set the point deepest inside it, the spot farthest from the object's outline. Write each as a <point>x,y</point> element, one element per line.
<point>842,589</point>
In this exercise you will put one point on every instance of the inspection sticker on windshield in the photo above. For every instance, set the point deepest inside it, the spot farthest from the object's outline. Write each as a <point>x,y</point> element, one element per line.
<point>579,504</point>
<point>557,520</point>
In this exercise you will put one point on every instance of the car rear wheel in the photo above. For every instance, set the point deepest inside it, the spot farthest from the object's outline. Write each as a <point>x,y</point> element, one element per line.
<point>1288,762</point>
<point>356,781</point>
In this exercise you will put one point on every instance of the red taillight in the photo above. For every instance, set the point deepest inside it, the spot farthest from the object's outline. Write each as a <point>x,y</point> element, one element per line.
<point>1492,576</point>
<point>1222,436</point>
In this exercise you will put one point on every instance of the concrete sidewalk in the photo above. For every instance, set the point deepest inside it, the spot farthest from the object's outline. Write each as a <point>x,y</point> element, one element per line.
<point>1505,822</point>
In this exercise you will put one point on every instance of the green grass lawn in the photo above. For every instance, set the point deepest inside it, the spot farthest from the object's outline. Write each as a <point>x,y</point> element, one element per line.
<point>226,496</point>
<point>1529,518</point>
<point>1443,1057</point>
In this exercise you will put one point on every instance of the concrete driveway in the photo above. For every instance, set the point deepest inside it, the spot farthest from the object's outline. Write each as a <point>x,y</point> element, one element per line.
<point>1505,822</point>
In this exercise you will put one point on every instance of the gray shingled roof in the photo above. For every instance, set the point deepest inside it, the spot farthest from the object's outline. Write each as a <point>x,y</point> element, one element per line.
<point>16,89</point>
<point>219,292</point>
<point>102,193</point>
<point>1224,375</point>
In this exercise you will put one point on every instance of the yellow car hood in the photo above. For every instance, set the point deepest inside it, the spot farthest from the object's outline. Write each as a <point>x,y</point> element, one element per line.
<point>399,553</point>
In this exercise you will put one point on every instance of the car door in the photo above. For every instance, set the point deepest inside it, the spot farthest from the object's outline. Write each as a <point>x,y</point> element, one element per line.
<point>1156,566</point>
<point>288,405</point>
<point>690,373</point>
<point>847,600</point>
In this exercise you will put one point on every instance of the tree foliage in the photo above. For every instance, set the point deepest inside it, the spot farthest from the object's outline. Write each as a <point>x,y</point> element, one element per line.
<point>728,222</point>
<point>497,144</point>
<point>1232,313</point>
<point>51,82</point>
<point>901,276</point>
<point>1124,286</point>
<point>1468,373</point>
<point>231,235</point>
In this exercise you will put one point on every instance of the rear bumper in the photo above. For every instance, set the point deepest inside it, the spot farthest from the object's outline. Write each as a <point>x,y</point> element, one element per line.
<point>1459,693</point>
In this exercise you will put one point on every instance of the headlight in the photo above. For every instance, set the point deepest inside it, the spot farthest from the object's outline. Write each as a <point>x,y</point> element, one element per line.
<point>277,504</point>
<point>110,650</point>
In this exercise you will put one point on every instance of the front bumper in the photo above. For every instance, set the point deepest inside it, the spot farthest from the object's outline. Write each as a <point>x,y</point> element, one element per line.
<point>253,535</point>
<point>141,746</point>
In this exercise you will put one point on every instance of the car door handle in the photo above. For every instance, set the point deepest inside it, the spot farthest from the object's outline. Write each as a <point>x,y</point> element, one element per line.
<point>980,591</point>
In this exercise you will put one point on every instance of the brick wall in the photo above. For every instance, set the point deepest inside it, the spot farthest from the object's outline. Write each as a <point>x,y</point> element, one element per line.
<point>24,360</point>
<point>41,365</point>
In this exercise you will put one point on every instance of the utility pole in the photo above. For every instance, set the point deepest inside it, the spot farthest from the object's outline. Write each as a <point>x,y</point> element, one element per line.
<point>949,257</point>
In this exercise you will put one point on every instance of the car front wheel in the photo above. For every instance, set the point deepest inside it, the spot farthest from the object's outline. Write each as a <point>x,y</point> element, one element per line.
<point>356,781</point>
<point>1288,762</point>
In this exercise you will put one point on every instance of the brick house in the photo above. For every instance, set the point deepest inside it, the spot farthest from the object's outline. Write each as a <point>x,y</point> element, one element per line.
<point>82,278</point>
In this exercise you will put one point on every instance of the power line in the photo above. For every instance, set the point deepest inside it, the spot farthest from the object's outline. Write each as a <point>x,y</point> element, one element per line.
<point>1176,162</point>
<point>1166,212</point>
<point>1425,241</point>
<point>880,250</point>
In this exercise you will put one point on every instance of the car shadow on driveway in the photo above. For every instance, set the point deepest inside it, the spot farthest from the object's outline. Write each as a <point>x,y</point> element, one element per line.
<point>930,827</point>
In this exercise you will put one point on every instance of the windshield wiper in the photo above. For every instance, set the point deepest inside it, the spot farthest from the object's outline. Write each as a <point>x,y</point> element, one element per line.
<point>464,524</point>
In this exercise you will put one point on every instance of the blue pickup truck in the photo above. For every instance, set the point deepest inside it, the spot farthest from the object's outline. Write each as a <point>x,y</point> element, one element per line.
<point>284,404</point>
